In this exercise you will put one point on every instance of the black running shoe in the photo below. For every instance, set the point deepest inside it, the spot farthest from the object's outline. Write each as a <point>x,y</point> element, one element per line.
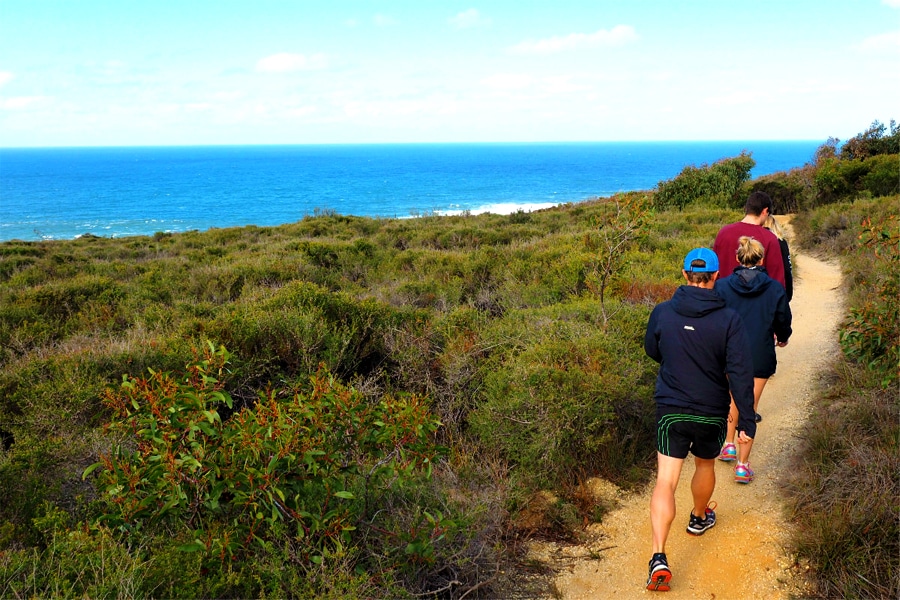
<point>698,526</point>
<point>660,574</point>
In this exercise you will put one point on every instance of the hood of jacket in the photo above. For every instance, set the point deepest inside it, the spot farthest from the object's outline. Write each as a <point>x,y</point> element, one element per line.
<point>691,301</point>
<point>749,282</point>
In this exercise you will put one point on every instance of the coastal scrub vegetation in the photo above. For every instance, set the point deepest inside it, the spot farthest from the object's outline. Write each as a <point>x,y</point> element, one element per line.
<point>844,494</point>
<point>353,407</point>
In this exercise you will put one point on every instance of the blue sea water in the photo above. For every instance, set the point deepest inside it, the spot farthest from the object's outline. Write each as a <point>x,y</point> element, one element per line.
<point>62,193</point>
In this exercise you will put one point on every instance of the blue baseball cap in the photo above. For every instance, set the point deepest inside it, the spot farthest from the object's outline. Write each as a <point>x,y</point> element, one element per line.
<point>707,256</point>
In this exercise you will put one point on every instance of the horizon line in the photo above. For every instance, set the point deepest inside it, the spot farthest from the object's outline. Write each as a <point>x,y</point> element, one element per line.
<point>457,143</point>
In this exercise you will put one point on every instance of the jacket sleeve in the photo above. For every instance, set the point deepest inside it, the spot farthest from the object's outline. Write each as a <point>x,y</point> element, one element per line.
<point>782,323</point>
<point>651,339</point>
<point>739,367</point>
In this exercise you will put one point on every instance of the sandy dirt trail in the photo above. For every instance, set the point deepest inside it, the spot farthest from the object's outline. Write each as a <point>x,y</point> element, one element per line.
<point>744,555</point>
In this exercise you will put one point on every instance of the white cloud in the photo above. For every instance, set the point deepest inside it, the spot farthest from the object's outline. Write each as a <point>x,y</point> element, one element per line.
<point>508,81</point>
<point>469,18</point>
<point>228,95</point>
<point>391,108</point>
<point>882,41</point>
<point>6,77</point>
<point>737,98</point>
<point>565,84</point>
<point>892,3</point>
<point>286,62</point>
<point>23,102</point>
<point>617,36</point>
<point>302,111</point>
<point>383,20</point>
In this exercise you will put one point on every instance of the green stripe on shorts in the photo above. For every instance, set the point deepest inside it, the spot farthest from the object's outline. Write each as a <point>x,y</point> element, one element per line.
<point>662,430</point>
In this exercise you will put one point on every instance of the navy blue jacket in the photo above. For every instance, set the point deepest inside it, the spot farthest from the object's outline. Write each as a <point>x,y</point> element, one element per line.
<point>697,341</point>
<point>763,304</point>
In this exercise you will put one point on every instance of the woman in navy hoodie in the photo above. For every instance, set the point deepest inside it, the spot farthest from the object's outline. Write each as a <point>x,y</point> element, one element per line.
<point>763,305</point>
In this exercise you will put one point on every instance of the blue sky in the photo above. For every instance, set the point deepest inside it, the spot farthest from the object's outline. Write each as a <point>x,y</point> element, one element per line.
<point>160,72</point>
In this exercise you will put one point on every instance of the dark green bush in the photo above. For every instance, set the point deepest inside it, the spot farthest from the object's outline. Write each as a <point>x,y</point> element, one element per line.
<point>883,178</point>
<point>38,315</point>
<point>552,401</point>
<point>837,179</point>
<point>717,185</point>
<point>872,142</point>
<point>789,190</point>
<point>302,325</point>
<point>871,333</point>
<point>304,469</point>
<point>29,477</point>
<point>865,235</point>
<point>96,563</point>
<point>10,265</point>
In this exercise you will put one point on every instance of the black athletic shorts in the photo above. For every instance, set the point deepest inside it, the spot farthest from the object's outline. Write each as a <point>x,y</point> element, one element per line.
<point>679,432</point>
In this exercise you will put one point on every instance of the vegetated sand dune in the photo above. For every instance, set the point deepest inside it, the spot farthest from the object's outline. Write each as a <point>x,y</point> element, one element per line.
<point>745,554</point>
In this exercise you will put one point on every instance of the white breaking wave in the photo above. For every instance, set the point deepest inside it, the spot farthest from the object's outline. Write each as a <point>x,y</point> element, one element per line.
<point>502,208</point>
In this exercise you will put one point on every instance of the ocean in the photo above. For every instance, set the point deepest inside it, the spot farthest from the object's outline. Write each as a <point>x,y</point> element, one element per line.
<point>63,193</point>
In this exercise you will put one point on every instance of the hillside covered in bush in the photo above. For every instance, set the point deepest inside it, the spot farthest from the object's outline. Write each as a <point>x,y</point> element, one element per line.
<point>348,407</point>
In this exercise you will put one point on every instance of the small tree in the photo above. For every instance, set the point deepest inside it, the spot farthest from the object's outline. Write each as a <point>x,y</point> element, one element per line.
<point>627,220</point>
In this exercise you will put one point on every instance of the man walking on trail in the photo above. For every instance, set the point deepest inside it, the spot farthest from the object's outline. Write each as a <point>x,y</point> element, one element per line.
<point>703,352</point>
<point>756,210</point>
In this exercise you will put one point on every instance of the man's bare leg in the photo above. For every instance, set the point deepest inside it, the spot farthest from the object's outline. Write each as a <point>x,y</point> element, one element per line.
<point>662,503</point>
<point>703,484</point>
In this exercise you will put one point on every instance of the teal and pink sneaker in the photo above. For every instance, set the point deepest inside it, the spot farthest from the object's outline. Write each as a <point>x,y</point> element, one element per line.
<point>728,453</point>
<point>743,473</point>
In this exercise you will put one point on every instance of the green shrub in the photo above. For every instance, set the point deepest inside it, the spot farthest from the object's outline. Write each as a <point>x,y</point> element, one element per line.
<point>716,185</point>
<point>62,300</point>
<point>541,274</point>
<point>302,325</point>
<point>872,142</point>
<point>302,469</point>
<point>48,396</point>
<point>828,228</point>
<point>552,401</point>
<point>871,333</point>
<point>865,235</point>
<point>10,265</point>
<point>843,489</point>
<point>838,179</point>
<point>52,409</point>
<point>88,301</point>
<point>883,178</point>
<point>93,562</point>
<point>25,477</point>
<point>75,563</point>
<point>790,190</point>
